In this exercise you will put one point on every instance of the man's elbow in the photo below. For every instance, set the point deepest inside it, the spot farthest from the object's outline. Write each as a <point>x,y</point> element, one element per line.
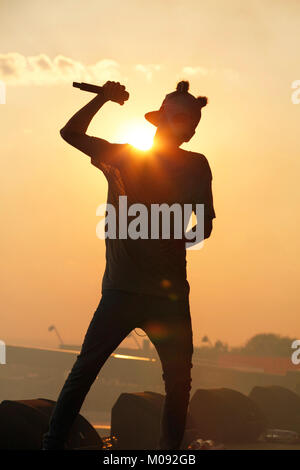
<point>67,135</point>
<point>64,134</point>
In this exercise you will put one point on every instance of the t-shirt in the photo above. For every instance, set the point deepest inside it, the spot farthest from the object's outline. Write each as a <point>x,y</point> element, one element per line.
<point>151,266</point>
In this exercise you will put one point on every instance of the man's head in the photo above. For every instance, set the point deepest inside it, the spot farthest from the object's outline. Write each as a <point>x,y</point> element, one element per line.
<point>178,116</point>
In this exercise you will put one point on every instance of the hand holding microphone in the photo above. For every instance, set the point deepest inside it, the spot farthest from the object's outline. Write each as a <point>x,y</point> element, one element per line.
<point>112,91</point>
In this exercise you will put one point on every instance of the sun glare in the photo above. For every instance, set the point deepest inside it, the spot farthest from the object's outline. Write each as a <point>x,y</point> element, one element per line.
<point>139,135</point>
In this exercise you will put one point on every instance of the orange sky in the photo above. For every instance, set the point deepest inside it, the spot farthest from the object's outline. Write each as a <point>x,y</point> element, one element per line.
<point>244,57</point>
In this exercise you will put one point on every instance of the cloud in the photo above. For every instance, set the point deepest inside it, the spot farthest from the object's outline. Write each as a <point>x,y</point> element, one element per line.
<point>195,71</point>
<point>148,69</point>
<point>16,69</point>
<point>230,74</point>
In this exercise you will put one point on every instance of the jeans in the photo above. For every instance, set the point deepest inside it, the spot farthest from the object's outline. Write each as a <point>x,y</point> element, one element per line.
<point>167,323</point>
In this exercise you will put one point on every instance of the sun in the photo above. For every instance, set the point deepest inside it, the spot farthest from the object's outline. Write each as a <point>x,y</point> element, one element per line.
<point>138,134</point>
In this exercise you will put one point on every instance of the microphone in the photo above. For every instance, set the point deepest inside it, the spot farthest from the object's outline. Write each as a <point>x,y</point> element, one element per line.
<point>96,89</point>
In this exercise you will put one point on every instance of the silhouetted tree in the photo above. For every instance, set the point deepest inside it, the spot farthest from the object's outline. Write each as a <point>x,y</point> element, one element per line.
<point>266,344</point>
<point>220,346</point>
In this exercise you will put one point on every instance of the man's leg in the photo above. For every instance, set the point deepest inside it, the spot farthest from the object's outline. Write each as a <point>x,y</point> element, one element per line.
<point>113,320</point>
<point>169,328</point>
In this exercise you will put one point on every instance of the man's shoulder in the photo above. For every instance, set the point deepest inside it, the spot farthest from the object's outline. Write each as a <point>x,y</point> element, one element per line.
<point>129,149</point>
<point>120,153</point>
<point>199,162</point>
<point>197,156</point>
<point>119,148</point>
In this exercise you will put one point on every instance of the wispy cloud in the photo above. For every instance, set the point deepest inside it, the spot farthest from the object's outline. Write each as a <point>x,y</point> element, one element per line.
<point>229,74</point>
<point>16,69</point>
<point>148,69</point>
<point>195,70</point>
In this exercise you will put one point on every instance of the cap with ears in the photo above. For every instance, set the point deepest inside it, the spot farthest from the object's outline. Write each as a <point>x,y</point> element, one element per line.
<point>179,101</point>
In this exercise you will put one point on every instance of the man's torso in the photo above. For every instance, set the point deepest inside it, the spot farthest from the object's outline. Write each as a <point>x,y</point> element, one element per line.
<point>150,266</point>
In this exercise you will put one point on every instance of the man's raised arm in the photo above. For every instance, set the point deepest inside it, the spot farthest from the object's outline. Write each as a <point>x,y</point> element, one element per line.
<point>74,132</point>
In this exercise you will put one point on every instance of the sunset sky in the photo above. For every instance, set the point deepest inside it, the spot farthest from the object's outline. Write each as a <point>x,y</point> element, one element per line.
<point>244,56</point>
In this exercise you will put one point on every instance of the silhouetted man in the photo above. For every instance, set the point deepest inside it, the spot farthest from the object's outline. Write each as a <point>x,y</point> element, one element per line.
<point>144,284</point>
